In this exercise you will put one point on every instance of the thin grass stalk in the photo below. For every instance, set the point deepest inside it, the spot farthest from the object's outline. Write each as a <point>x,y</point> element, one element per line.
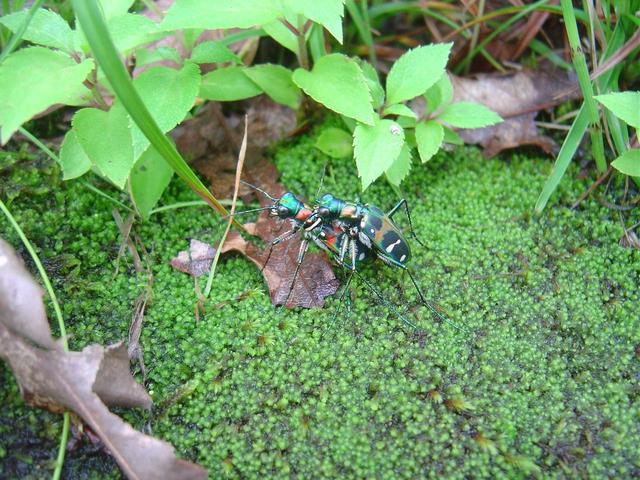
<point>362,26</point>
<point>93,24</point>
<point>503,26</point>
<point>578,128</point>
<point>236,189</point>
<point>580,65</point>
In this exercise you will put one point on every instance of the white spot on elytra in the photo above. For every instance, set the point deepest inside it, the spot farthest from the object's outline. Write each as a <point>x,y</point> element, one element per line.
<point>402,258</point>
<point>373,231</point>
<point>361,257</point>
<point>392,246</point>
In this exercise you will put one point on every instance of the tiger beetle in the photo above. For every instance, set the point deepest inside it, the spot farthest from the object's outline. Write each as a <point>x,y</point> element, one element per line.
<point>334,241</point>
<point>368,225</point>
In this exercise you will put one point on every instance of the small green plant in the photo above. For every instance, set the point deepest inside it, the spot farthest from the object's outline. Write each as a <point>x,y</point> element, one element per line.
<point>386,131</point>
<point>626,107</point>
<point>612,26</point>
<point>107,138</point>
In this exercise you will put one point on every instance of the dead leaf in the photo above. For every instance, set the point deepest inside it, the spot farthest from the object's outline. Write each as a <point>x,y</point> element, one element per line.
<point>83,382</point>
<point>517,97</point>
<point>315,280</point>
<point>197,260</point>
<point>21,307</point>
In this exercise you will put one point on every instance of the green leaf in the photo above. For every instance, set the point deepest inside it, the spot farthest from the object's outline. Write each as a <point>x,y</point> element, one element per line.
<point>401,166</point>
<point>276,82</point>
<point>46,28</point>
<point>624,105</point>
<point>439,94</point>
<point>335,142</point>
<point>282,35</point>
<point>429,137</point>
<point>415,71</point>
<point>32,79</point>
<point>106,139</point>
<point>131,30</point>
<point>327,13</point>
<point>115,8</point>
<point>213,52</point>
<point>149,178</point>
<point>373,82</point>
<point>401,110</point>
<point>169,94</point>
<point>228,84</point>
<point>469,115</point>
<point>215,14</point>
<point>160,54</point>
<point>628,163</point>
<point>451,137</point>
<point>337,82</point>
<point>376,148</point>
<point>568,149</point>
<point>75,162</point>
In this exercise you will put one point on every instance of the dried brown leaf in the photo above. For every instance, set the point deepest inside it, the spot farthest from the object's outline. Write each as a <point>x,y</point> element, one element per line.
<point>83,382</point>
<point>197,260</point>
<point>21,307</point>
<point>315,280</point>
<point>517,97</point>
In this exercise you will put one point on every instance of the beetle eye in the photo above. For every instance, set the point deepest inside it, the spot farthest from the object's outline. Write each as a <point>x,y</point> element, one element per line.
<point>283,211</point>
<point>324,212</point>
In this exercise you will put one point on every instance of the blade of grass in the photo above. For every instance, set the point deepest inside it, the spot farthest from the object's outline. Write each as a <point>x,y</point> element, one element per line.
<point>63,331</point>
<point>568,149</point>
<point>503,26</point>
<point>316,42</point>
<point>580,65</point>
<point>16,38</point>
<point>93,24</point>
<point>362,26</point>
<point>578,128</point>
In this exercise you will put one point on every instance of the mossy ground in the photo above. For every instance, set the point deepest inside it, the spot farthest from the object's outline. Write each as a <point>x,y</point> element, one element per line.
<point>543,379</point>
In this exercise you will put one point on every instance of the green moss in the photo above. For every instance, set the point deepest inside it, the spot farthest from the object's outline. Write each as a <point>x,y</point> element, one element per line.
<point>542,378</point>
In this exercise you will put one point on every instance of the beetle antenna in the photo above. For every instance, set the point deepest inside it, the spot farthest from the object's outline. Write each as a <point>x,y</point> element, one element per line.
<point>259,190</point>
<point>247,211</point>
<point>324,170</point>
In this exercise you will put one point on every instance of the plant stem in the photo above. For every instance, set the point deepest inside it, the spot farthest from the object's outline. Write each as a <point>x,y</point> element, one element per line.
<point>580,64</point>
<point>303,55</point>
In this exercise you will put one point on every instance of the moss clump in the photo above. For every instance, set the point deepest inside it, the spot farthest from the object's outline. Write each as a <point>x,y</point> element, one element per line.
<point>540,378</point>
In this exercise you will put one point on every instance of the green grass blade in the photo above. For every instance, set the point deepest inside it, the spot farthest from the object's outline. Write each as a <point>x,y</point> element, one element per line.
<point>569,147</point>
<point>580,65</point>
<point>16,38</point>
<point>316,42</point>
<point>93,24</point>
<point>362,26</point>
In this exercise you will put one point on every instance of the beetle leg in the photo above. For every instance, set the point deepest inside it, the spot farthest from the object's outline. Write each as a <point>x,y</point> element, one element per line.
<point>404,203</point>
<point>304,245</point>
<point>282,238</point>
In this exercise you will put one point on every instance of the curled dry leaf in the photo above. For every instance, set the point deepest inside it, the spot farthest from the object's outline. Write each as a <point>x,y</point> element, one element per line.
<point>85,382</point>
<point>21,307</point>
<point>197,260</point>
<point>517,97</point>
